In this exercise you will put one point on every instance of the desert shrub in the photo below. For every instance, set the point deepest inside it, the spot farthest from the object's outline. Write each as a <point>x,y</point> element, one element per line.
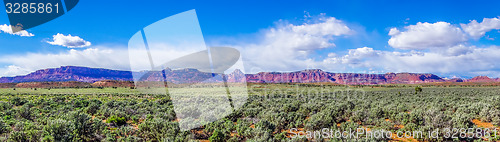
<point>58,99</point>
<point>319,121</point>
<point>234,139</point>
<point>387,125</point>
<point>359,116</point>
<point>83,127</point>
<point>25,131</point>
<point>281,136</point>
<point>461,120</point>
<point>71,117</point>
<point>4,128</point>
<point>18,136</point>
<point>5,106</point>
<point>495,116</point>
<point>218,136</point>
<point>79,103</point>
<point>223,125</point>
<point>403,117</point>
<point>58,130</point>
<point>436,119</point>
<point>410,127</point>
<point>25,112</point>
<point>18,101</point>
<point>117,120</point>
<point>242,127</point>
<point>376,112</point>
<point>485,114</point>
<point>126,134</point>
<point>157,128</point>
<point>93,108</point>
<point>418,89</point>
<point>129,138</point>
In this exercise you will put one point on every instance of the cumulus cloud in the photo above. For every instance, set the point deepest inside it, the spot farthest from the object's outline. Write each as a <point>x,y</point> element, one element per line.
<point>462,60</point>
<point>328,26</point>
<point>354,58</point>
<point>91,57</point>
<point>11,70</point>
<point>394,31</point>
<point>8,29</point>
<point>68,41</point>
<point>478,30</point>
<point>306,36</point>
<point>459,50</point>
<point>427,35</point>
<point>287,46</point>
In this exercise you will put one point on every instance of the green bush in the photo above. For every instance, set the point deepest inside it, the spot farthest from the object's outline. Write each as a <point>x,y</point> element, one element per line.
<point>418,89</point>
<point>217,136</point>
<point>58,130</point>
<point>18,101</point>
<point>117,120</point>
<point>4,128</point>
<point>157,128</point>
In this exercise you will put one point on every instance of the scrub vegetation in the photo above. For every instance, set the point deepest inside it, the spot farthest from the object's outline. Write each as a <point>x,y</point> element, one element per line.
<point>271,112</point>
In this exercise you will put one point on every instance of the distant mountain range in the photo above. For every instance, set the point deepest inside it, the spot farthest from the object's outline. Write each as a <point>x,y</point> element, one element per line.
<point>93,75</point>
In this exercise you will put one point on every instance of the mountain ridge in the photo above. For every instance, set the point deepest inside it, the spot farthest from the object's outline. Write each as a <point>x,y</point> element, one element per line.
<point>92,75</point>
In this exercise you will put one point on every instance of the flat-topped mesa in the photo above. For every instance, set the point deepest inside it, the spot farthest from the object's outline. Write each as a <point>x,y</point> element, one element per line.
<point>482,79</point>
<point>305,76</point>
<point>317,75</point>
<point>412,78</point>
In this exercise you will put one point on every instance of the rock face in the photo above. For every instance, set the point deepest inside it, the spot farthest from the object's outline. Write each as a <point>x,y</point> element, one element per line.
<point>455,80</point>
<point>51,84</point>
<point>70,73</point>
<point>113,83</point>
<point>236,76</point>
<point>105,77</point>
<point>309,76</point>
<point>306,76</point>
<point>7,85</point>
<point>482,79</point>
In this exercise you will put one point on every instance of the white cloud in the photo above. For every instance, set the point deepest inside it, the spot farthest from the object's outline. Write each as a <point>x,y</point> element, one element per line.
<point>8,29</point>
<point>91,57</point>
<point>394,31</point>
<point>12,70</point>
<point>459,50</point>
<point>306,36</point>
<point>287,46</point>
<point>427,35</point>
<point>462,59</point>
<point>328,26</point>
<point>68,41</point>
<point>354,58</point>
<point>477,30</point>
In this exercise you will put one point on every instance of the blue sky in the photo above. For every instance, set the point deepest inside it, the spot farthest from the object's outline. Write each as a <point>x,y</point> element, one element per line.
<point>365,47</point>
